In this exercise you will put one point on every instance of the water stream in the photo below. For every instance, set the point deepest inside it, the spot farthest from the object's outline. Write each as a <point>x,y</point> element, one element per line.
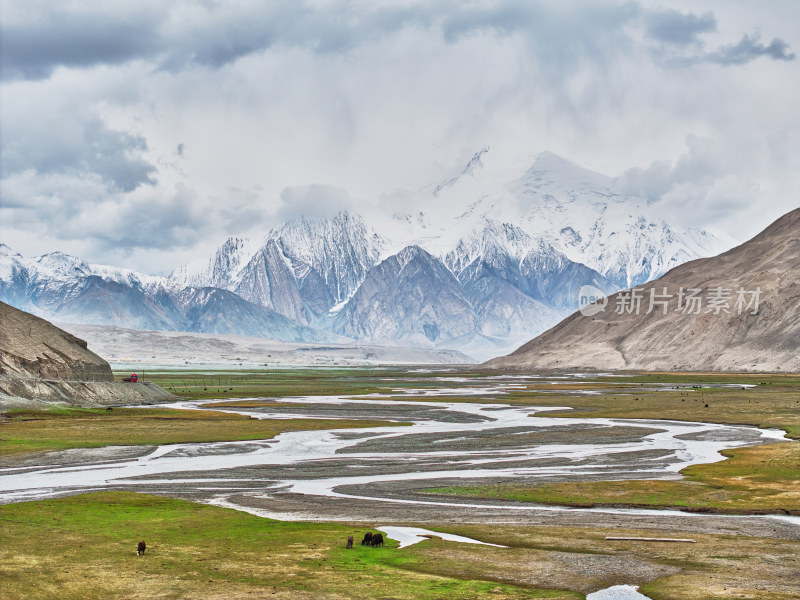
<point>444,441</point>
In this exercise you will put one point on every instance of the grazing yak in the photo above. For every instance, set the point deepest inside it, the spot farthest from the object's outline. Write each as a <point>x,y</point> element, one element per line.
<point>141,548</point>
<point>367,541</point>
<point>349,541</point>
<point>377,539</point>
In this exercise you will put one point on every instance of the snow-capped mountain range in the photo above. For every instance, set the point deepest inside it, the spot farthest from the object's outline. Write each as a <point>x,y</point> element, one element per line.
<point>482,279</point>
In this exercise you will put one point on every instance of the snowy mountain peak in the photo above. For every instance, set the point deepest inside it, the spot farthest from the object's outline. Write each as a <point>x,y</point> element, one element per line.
<point>475,164</point>
<point>60,265</point>
<point>6,251</point>
<point>496,252</point>
<point>410,254</point>
<point>552,169</point>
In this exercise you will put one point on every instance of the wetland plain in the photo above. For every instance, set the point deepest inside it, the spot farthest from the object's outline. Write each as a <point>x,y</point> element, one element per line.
<point>547,465</point>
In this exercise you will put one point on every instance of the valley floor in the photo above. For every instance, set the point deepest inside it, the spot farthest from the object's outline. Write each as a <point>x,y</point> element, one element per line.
<point>552,551</point>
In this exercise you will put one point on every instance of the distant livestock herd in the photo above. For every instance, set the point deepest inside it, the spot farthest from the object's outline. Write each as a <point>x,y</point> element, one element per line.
<point>370,539</point>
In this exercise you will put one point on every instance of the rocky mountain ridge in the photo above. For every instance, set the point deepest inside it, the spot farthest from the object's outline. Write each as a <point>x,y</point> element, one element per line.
<point>486,278</point>
<point>739,311</point>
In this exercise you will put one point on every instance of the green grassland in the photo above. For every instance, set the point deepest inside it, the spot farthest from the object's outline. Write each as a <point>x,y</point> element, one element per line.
<point>84,547</point>
<point>276,383</point>
<point>755,480</point>
<point>23,431</point>
<point>773,402</point>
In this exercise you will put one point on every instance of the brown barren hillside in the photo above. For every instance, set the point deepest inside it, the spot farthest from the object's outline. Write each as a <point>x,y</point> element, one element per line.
<point>40,363</point>
<point>33,347</point>
<point>720,334</point>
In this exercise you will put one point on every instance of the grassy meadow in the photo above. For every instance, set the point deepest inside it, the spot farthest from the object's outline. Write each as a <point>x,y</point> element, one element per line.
<point>25,431</point>
<point>84,547</point>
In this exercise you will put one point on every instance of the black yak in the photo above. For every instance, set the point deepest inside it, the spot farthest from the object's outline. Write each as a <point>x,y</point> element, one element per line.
<point>141,548</point>
<point>349,541</point>
<point>377,539</point>
<point>367,541</point>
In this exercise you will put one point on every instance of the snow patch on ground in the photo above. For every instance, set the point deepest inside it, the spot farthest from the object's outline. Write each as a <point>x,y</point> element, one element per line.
<point>408,536</point>
<point>618,592</point>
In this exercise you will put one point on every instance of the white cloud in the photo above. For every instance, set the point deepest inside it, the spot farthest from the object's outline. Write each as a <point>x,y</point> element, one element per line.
<point>212,119</point>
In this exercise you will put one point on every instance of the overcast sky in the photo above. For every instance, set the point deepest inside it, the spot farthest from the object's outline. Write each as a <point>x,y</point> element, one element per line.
<point>143,133</point>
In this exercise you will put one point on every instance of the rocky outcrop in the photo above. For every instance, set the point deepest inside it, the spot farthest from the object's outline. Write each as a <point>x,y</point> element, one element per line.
<point>31,347</point>
<point>743,315</point>
<point>41,363</point>
<point>16,392</point>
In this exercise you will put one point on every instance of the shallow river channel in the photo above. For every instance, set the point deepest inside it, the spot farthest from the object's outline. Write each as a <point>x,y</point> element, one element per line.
<point>378,473</point>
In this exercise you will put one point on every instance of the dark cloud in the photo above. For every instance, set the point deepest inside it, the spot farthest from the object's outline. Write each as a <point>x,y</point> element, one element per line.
<point>115,156</point>
<point>679,44</point>
<point>175,35</point>
<point>750,48</point>
<point>151,221</point>
<point>88,148</point>
<point>64,207</point>
<point>241,210</point>
<point>673,27</point>
<point>57,34</point>
<point>537,19</point>
<point>102,99</point>
<point>41,36</point>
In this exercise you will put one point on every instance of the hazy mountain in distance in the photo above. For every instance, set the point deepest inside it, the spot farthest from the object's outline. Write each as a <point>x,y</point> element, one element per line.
<point>716,330</point>
<point>498,252</point>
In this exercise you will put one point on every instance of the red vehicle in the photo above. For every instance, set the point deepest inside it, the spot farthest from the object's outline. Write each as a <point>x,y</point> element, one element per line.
<point>132,379</point>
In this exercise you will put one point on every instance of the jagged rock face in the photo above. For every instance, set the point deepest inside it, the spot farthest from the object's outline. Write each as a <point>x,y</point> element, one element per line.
<point>410,296</point>
<point>534,267</point>
<point>554,280</point>
<point>329,257</point>
<point>718,333</point>
<point>14,278</point>
<point>31,347</point>
<point>219,311</point>
<point>57,279</point>
<point>112,303</point>
<point>227,261</point>
<point>582,215</point>
<point>302,268</point>
<point>268,281</point>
